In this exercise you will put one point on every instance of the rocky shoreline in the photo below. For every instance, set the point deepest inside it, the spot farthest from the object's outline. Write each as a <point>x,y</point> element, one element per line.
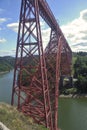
<point>3,127</point>
<point>4,72</point>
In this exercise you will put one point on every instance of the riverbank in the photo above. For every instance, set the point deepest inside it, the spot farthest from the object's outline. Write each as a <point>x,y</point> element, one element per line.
<point>4,72</point>
<point>15,120</point>
<point>73,96</point>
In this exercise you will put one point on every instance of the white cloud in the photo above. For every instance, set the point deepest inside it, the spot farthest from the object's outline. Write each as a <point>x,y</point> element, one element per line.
<point>42,24</point>
<point>7,53</point>
<point>45,36</point>
<point>2,40</point>
<point>44,29</point>
<point>76,32</point>
<point>13,26</point>
<point>3,20</point>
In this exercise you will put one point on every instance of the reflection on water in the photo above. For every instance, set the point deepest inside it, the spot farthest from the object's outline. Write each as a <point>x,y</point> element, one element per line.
<point>72,112</point>
<point>6,81</point>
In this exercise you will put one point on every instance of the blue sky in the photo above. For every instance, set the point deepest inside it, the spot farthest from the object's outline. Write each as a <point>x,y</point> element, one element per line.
<point>70,14</point>
<point>67,10</point>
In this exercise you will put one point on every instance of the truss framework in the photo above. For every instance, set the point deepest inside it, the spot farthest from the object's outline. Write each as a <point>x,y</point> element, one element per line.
<point>37,72</point>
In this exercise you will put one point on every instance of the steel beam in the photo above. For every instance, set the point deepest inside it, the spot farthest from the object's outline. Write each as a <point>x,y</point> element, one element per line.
<point>37,72</point>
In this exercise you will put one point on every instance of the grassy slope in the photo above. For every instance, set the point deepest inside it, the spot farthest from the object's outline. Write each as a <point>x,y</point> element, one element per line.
<point>15,120</point>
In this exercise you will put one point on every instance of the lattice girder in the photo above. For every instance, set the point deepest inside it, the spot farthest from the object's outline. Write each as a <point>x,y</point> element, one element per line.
<point>37,72</point>
<point>33,95</point>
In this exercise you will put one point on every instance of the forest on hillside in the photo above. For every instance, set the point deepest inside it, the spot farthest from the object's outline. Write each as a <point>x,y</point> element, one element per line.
<point>79,71</point>
<point>6,63</point>
<point>79,74</point>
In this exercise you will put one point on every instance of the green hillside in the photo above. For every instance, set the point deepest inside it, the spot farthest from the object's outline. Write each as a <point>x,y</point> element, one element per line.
<point>6,63</point>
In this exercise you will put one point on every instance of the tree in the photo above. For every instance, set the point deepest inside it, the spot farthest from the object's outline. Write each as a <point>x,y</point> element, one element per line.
<point>80,72</point>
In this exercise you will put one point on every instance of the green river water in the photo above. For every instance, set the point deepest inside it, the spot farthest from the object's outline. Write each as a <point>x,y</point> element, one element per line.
<point>72,112</point>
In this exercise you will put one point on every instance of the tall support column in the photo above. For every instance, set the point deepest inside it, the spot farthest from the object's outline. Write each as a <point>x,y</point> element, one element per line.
<point>58,61</point>
<point>66,60</point>
<point>30,84</point>
<point>50,55</point>
<point>37,73</point>
<point>53,58</point>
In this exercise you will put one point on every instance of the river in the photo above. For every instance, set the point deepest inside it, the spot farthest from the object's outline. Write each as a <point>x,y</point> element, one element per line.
<point>72,112</point>
<point>6,87</point>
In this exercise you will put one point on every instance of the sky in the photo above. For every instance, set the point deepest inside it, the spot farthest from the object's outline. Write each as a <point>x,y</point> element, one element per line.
<point>71,15</point>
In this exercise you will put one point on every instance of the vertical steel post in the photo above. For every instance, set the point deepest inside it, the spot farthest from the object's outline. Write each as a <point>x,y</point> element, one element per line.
<point>58,61</point>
